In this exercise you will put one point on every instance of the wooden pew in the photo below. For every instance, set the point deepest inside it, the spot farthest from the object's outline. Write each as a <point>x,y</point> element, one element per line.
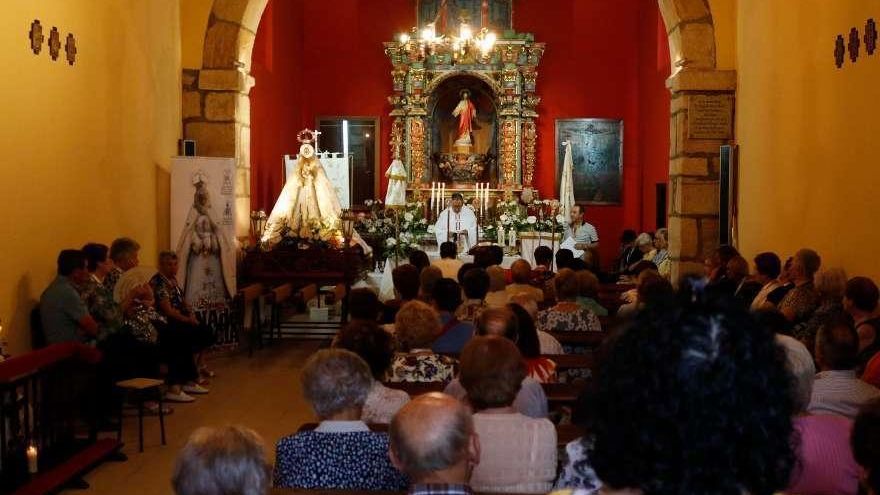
<point>570,361</point>
<point>564,433</point>
<point>587,339</point>
<point>557,393</point>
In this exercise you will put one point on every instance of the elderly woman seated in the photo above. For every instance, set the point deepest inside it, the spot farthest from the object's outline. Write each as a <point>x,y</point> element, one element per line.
<point>518,453</point>
<point>375,347</point>
<point>567,315</point>
<point>342,452</point>
<point>417,326</point>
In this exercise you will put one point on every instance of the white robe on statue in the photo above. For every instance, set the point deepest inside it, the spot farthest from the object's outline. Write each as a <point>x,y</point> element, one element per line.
<point>462,221</point>
<point>396,195</point>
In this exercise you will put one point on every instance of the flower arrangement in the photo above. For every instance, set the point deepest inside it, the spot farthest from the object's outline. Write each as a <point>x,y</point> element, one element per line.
<point>381,227</point>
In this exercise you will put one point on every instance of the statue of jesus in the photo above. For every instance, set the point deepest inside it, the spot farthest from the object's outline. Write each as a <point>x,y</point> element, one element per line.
<point>466,113</point>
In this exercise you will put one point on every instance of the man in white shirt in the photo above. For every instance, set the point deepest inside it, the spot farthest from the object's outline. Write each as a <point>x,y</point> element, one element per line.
<point>836,389</point>
<point>449,264</point>
<point>584,234</point>
<point>457,224</point>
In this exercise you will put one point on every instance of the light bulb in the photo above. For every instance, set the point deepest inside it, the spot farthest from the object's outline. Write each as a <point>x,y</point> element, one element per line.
<point>465,31</point>
<point>404,38</point>
<point>428,34</point>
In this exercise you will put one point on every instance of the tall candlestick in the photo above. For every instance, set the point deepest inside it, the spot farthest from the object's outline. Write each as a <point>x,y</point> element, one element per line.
<point>32,459</point>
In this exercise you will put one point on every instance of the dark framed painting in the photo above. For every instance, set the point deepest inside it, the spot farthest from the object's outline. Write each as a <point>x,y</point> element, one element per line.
<point>597,155</point>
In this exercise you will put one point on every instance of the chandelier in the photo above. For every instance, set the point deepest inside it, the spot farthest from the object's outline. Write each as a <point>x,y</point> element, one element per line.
<point>466,47</point>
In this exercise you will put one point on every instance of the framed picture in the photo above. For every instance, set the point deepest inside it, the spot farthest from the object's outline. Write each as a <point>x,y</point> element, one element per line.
<point>597,153</point>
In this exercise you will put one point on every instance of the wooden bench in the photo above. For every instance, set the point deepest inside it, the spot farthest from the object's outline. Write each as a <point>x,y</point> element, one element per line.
<point>42,393</point>
<point>557,393</point>
<point>276,299</point>
<point>564,433</point>
<point>587,339</point>
<point>247,304</point>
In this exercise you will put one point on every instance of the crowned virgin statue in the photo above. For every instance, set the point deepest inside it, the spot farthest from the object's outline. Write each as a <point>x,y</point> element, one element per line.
<point>308,200</point>
<point>203,252</point>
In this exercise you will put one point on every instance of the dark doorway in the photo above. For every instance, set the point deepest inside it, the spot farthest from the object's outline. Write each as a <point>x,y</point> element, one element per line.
<point>355,136</point>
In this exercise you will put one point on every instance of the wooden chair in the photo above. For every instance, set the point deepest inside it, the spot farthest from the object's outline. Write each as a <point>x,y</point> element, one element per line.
<point>139,389</point>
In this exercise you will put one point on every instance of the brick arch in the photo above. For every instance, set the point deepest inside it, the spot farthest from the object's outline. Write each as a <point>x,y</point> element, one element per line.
<point>217,114</point>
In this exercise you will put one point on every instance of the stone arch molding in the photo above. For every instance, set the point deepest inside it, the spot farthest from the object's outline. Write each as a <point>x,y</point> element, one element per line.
<point>216,113</point>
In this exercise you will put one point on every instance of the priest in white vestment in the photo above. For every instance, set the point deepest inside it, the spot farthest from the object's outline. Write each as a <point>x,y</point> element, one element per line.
<point>457,224</point>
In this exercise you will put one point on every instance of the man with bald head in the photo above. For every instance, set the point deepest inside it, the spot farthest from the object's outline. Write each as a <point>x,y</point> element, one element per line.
<point>434,443</point>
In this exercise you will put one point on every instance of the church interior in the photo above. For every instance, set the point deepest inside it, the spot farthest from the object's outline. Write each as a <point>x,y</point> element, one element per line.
<point>439,247</point>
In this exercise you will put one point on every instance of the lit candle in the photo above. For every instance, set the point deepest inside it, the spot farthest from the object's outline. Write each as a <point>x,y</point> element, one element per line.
<point>32,459</point>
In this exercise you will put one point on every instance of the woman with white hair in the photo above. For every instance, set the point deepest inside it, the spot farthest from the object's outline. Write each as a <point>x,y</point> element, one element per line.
<point>645,245</point>
<point>342,452</point>
<point>222,460</point>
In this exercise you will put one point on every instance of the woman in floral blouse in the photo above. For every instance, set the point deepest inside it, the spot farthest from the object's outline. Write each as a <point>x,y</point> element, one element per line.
<point>567,315</point>
<point>417,325</point>
<point>341,453</point>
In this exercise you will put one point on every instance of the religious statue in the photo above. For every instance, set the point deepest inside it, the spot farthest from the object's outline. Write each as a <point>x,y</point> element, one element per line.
<point>204,252</point>
<point>396,195</point>
<point>458,224</point>
<point>307,195</point>
<point>308,198</point>
<point>466,113</point>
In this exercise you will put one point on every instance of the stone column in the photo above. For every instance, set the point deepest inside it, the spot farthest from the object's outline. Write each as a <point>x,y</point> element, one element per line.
<point>702,114</point>
<point>216,112</point>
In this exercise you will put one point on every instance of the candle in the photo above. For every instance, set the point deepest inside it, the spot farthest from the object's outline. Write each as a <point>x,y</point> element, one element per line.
<point>32,459</point>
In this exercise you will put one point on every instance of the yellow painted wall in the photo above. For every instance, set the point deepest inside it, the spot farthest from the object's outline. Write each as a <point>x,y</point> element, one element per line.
<point>193,24</point>
<point>85,148</point>
<point>808,133</point>
<point>724,19</point>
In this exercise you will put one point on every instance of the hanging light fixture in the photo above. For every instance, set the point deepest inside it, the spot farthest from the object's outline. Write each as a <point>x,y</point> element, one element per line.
<point>466,45</point>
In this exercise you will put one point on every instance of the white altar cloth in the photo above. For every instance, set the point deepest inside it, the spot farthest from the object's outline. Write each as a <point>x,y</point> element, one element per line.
<point>383,285</point>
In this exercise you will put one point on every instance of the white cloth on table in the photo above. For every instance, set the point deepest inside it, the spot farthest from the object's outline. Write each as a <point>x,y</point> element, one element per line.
<point>462,221</point>
<point>383,284</point>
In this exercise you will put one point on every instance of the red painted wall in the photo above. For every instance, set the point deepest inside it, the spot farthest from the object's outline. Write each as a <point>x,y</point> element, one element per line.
<point>606,59</point>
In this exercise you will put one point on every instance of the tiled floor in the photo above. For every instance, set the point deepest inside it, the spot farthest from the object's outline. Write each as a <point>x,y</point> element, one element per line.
<point>261,392</point>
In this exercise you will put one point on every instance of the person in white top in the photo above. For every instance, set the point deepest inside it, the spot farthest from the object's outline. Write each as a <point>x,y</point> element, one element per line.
<point>449,264</point>
<point>518,452</point>
<point>768,266</point>
<point>836,389</point>
<point>585,235</point>
<point>457,222</point>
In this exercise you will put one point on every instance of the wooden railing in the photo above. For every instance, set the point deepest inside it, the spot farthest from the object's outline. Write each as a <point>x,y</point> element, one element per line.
<point>48,402</point>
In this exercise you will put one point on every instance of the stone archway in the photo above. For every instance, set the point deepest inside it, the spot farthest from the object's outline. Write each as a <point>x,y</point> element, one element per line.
<point>216,113</point>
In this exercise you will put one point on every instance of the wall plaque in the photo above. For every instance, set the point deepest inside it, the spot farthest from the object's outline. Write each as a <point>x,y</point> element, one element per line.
<point>710,117</point>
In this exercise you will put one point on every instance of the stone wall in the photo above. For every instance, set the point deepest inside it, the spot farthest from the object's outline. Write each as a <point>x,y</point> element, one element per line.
<point>694,166</point>
<point>216,106</point>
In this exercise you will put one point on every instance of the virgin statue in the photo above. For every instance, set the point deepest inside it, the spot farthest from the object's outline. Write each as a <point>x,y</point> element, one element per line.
<point>205,252</point>
<point>466,113</point>
<point>396,194</point>
<point>307,200</point>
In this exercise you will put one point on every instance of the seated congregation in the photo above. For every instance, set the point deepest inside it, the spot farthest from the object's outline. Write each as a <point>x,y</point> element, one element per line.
<point>740,381</point>
<point>137,317</point>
